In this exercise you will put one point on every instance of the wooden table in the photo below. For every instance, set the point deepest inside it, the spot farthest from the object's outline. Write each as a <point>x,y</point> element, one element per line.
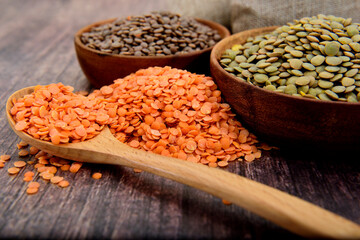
<point>36,47</point>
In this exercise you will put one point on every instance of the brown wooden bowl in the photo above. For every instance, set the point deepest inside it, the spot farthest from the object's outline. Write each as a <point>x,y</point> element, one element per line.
<point>103,68</point>
<point>283,119</point>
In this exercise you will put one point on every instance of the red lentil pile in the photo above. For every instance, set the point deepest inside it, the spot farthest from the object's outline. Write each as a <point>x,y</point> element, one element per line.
<point>54,113</point>
<point>176,113</point>
<point>163,110</point>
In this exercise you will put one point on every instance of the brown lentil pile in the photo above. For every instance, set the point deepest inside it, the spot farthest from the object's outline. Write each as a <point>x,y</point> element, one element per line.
<point>314,57</point>
<point>155,34</point>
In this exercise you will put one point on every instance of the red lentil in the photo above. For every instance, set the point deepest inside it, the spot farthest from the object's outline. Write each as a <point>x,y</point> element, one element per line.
<point>23,153</point>
<point>5,157</point>
<point>20,164</point>
<point>96,175</point>
<point>63,183</point>
<point>56,179</point>
<point>13,170</point>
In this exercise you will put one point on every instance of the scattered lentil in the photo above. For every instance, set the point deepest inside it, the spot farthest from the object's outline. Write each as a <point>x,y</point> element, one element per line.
<point>33,188</point>
<point>23,144</point>
<point>226,202</point>
<point>63,184</point>
<point>27,178</point>
<point>29,174</point>
<point>5,157</point>
<point>20,164</point>
<point>46,175</point>
<point>56,179</point>
<point>96,175</point>
<point>65,167</point>
<point>33,150</point>
<point>23,153</point>
<point>31,191</point>
<point>13,170</point>
<point>75,167</point>
<point>34,185</point>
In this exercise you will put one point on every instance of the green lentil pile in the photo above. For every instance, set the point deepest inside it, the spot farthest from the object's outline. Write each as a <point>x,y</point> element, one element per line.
<point>314,57</point>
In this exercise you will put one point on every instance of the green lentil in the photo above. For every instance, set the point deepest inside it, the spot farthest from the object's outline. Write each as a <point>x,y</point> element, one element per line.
<point>332,48</point>
<point>317,60</point>
<point>301,81</point>
<point>314,57</point>
<point>346,81</point>
<point>333,61</point>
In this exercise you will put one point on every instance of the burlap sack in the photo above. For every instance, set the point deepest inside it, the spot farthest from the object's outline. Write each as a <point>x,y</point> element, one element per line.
<point>248,14</point>
<point>215,10</point>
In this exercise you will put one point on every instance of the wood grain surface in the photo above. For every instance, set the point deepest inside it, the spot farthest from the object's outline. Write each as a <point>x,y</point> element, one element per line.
<point>36,47</point>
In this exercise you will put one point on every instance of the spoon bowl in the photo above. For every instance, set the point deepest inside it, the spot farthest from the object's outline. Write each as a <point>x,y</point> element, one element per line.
<point>287,211</point>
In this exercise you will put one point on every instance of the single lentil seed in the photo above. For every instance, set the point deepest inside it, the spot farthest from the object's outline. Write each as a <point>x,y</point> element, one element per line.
<point>96,175</point>
<point>20,164</point>
<point>13,170</point>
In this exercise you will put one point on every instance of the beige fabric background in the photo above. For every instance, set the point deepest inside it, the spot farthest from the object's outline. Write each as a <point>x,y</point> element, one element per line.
<point>239,15</point>
<point>247,14</point>
<point>215,10</point>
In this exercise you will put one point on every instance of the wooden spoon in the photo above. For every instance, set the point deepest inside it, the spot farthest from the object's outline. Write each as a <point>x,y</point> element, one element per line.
<point>287,211</point>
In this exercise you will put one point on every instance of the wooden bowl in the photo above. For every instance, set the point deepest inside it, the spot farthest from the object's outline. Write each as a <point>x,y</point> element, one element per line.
<point>282,119</point>
<point>103,68</point>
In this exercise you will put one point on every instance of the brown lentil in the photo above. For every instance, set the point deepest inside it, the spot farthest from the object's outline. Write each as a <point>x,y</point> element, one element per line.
<point>155,34</point>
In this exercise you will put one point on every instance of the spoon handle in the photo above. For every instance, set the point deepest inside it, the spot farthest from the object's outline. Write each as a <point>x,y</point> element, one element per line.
<point>285,210</point>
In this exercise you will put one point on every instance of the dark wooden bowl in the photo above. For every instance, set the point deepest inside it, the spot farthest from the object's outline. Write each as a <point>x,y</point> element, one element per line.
<point>283,119</point>
<point>103,68</point>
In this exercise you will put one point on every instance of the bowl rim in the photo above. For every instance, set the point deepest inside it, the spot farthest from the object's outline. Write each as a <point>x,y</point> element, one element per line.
<point>78,42</point>
<point>215,62</point>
